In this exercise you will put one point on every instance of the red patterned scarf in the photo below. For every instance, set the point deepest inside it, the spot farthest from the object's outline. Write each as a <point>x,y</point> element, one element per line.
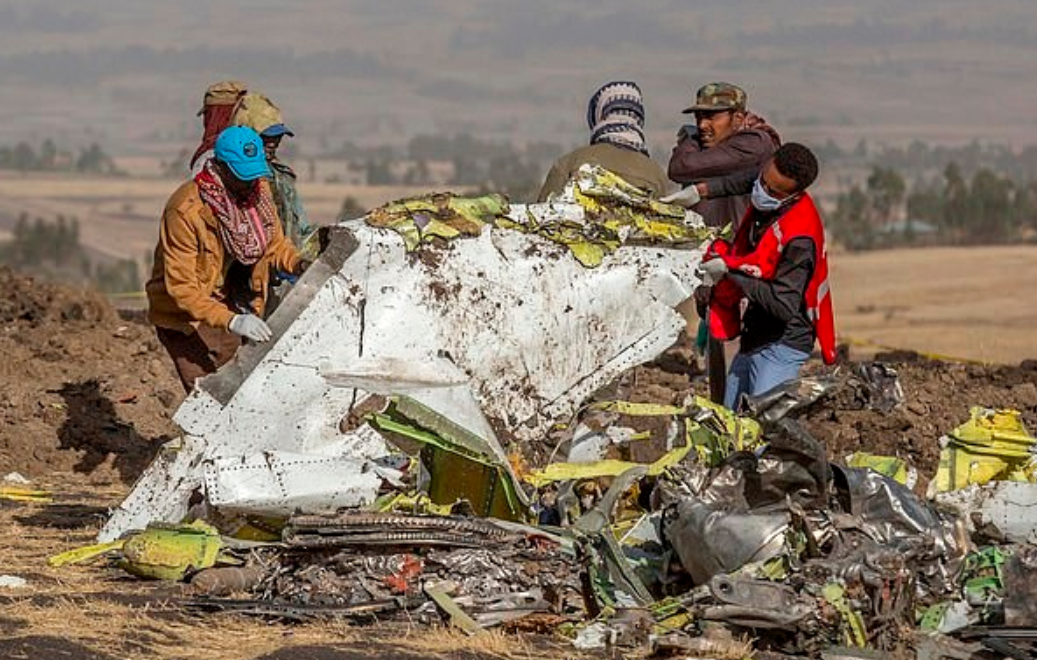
<point>244,229</point>
<point>215,119</point>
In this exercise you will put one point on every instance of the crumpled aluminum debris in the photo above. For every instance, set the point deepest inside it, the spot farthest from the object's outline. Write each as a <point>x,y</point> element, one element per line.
<point>893,516</point>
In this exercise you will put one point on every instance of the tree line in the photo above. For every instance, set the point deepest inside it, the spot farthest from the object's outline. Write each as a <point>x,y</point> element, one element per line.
<point>501,166</point>
<point>950,209</point>
<point>1017,163</point>
<point>52,249</point>
<point>22,157</point>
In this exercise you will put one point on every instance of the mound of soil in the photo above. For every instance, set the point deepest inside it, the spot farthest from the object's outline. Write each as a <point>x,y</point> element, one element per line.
<point>937,398</point>
<point>81,389</point>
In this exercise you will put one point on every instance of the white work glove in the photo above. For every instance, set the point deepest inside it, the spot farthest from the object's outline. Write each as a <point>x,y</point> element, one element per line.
<point>712,271</point>
<point>685,197</point>
<point>251,327</point>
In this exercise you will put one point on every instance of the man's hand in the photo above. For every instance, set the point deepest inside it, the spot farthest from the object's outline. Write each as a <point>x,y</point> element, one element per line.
<point>251,327</point>
<point>687,132</point>
<point>685,197</point>
<point>701,295</point>
<point>712,271</point>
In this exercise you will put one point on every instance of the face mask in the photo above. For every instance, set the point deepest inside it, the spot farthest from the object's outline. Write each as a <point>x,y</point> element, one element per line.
<point>763,201</point>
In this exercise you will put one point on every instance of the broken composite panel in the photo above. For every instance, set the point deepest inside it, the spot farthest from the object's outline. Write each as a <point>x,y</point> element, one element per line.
<point>502,333</point>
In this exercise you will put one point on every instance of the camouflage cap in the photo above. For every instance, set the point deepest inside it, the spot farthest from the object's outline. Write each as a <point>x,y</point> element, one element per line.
<point>260,114</point>
<point>225,92</point>
<point>718,96</point>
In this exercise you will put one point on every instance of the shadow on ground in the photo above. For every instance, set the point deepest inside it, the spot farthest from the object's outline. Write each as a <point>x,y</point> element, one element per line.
<point>50,648</point>
<point>341,653</point>
<point>66,516</point>
<point>93,427</point>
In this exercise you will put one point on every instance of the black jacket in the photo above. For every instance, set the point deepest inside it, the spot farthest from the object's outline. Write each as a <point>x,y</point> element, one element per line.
<point>777,309</point>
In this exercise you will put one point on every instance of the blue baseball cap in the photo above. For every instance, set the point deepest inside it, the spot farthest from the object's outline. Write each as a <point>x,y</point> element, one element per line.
<point>241,149</point>
<point>277,130</point>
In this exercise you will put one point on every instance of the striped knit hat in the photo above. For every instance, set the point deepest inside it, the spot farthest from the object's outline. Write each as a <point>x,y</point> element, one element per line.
<point>616,115</point>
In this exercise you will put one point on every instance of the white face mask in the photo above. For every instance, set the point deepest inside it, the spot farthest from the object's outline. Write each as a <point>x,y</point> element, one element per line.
<point>764,201</point>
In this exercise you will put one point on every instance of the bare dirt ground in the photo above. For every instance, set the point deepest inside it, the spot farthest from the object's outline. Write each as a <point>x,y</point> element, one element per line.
<point>86,396</point>
<point>81,390</point>
<point>978,303</point>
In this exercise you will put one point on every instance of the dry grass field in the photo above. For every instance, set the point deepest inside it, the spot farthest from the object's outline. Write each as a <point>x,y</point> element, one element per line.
<point>972,303</point>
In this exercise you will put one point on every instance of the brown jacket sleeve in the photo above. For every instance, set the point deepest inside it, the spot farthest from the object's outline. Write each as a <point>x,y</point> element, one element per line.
<point>284,256</point>
<point>690,163</point>
<point>181,241</point>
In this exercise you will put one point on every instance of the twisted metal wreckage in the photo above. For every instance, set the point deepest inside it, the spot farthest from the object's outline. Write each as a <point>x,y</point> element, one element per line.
<point>397,447</point>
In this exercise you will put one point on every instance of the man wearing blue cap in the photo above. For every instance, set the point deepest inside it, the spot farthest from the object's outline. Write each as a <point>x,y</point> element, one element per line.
<point>219,237</point>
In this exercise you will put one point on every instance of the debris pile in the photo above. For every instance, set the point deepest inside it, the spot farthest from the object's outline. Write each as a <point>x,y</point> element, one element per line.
<point>937,397</point>
<point>439,439</point>
<point>738,531</point>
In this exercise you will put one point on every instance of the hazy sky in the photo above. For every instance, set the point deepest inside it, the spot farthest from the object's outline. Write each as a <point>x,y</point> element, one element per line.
<point>132,72</point>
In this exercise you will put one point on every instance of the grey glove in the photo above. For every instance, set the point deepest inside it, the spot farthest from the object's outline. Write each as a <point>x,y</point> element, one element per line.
<point>686,197</point>
<point>251,327</point>
<point>712,271</point>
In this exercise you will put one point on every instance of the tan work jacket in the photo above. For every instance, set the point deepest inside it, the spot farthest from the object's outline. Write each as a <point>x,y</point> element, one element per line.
<point>186,282</point>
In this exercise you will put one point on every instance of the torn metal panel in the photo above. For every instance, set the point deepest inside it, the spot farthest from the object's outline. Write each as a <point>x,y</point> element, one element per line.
<point>1001,509</point>
<point>711,540</point>
<point>756,603</point>
<point>358,530</point>
<point>276,483</point>
<point>436,381</point>
<point>895,468</point>
<point>894,516</point>
<point>777,402</point>
<point>882,385</point>
<point>510,311</point>
<point>162,492</point>
<point>994,445</point>
<point>462,465</point>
